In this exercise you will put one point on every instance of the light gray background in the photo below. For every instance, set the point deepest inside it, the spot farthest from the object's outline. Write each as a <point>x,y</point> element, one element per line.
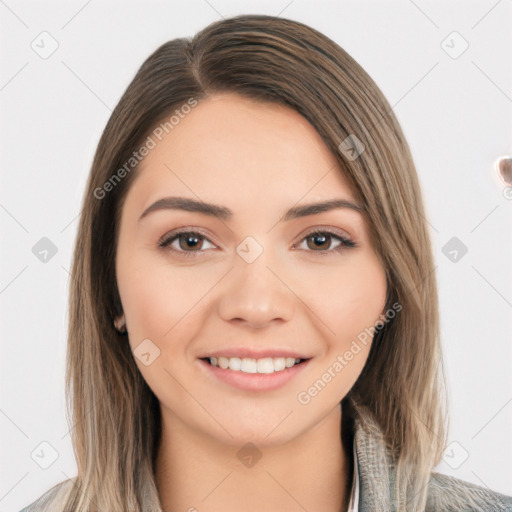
<point>456,114</point>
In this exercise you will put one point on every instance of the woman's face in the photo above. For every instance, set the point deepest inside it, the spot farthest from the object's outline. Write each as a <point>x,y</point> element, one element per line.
<point>250,280</point>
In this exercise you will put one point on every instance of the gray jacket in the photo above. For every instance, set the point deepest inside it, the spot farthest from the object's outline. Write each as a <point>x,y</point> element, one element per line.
<point>445,493</point>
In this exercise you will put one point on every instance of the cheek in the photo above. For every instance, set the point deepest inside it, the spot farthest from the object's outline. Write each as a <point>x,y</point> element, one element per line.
<point>166,305</point>
<point>349,304</point>
<point>163,307</point>
<point>154,298</point>
<point>141,296</point>
<point>348,299</point>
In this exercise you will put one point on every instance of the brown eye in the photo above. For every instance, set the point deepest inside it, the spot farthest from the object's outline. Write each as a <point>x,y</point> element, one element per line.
<point>321,242</point>
<point>187,242</point>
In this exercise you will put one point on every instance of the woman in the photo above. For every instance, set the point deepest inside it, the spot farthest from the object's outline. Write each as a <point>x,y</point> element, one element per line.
<point>253,311</point>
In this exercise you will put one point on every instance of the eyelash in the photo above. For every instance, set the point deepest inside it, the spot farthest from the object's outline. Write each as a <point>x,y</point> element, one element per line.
<point>168,239</point>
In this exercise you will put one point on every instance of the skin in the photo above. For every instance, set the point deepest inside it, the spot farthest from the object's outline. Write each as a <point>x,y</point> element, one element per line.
<point>257,159</point>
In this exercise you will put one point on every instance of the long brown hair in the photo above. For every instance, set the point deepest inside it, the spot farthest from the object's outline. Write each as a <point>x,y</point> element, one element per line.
<point>114,415</point>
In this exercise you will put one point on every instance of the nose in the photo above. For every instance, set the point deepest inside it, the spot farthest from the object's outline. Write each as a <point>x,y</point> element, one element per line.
<point>256,295</point>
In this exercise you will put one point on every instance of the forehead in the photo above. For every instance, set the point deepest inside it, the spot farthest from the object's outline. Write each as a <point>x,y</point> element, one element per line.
<point>228,143</point>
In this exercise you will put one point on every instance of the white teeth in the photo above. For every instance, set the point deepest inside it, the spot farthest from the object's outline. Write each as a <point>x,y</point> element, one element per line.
<point>249,365</point>
<point>265,365</point>
<point>234,363</point>
<point>290,361</point>
<point>279,364</point>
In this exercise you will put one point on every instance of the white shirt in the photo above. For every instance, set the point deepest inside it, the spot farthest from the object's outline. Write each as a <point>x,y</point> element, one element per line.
<point>353,506</point>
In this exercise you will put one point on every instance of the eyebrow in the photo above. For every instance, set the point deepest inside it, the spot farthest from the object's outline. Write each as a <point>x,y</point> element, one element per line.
<point>223,213</point>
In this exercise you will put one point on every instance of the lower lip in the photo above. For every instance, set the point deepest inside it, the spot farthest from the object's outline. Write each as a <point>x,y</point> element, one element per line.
<point>255,381</point>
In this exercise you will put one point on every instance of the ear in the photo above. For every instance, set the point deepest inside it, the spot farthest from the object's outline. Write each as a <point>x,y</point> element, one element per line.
<point>120,324</point>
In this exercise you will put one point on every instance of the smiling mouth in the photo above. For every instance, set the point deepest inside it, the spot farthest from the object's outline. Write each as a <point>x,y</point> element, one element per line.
<point>250,365</point>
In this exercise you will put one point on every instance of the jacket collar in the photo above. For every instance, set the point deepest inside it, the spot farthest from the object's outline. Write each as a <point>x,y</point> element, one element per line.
<point>377,471</point>
<point>375,465</point>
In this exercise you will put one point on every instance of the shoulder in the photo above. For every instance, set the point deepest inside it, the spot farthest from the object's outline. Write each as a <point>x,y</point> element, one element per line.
<point>377,473</point>
<point>450,493</point>
<point>52,500</point>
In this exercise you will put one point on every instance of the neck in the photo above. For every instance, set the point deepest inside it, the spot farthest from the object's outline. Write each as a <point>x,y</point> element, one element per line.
<point>310,472</point>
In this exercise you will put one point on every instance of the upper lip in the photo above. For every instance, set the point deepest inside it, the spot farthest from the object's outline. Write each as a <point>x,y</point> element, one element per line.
<point>244,352</point>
